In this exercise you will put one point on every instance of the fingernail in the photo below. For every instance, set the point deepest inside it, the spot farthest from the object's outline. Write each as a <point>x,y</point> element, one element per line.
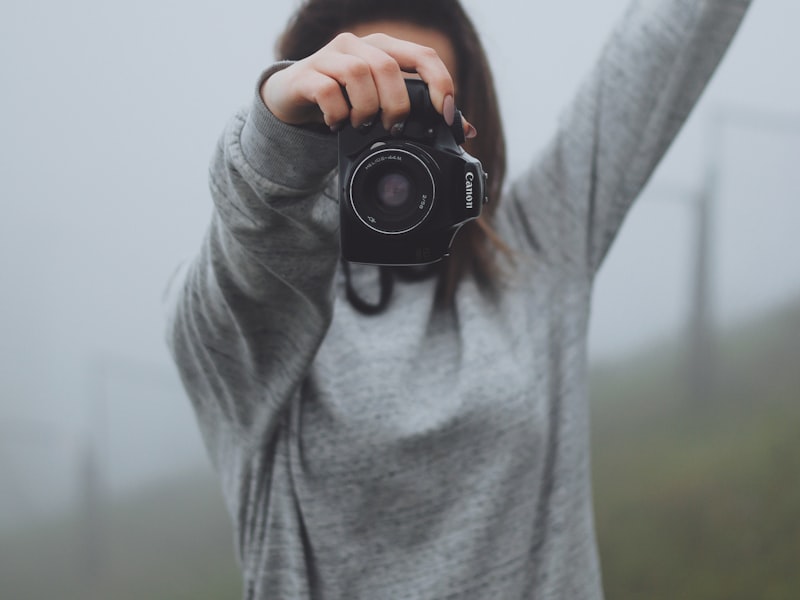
<point>471,132</point>
<point>449,109</point>
<point>337,127</point>
<point>365,126</point>
<point>397,128</point>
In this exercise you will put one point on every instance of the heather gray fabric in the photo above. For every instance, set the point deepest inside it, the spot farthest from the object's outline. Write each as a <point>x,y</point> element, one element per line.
<point>423,454</point>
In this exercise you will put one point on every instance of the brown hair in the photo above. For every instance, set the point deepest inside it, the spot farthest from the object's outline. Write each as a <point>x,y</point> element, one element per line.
<point>317,22</point>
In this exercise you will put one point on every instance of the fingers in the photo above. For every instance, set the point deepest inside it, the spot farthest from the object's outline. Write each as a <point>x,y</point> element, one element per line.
<point>371,79</point>
<point>426,63</point>
<point>326,93</point>
<point>356,78</point>
<point>469,129</point>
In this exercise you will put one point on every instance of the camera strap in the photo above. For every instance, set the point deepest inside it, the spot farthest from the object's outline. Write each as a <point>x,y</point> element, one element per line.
<point>361,305</point>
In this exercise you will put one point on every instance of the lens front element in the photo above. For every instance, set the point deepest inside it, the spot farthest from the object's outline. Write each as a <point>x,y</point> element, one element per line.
<point>394,190</point>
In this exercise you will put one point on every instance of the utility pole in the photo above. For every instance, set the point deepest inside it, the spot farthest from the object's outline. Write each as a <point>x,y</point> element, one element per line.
<point>701,364</point>
<point>103,371</point>
<point>92,505</point>
<point>701,355</point>
<point>92,480</point>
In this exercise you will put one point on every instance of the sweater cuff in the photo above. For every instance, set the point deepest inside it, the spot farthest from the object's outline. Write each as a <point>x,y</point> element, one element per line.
<point>289,155</point>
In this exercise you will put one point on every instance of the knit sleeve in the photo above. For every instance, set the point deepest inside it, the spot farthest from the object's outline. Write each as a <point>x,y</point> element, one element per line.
<point>247,315</point>
<point>650,74</point>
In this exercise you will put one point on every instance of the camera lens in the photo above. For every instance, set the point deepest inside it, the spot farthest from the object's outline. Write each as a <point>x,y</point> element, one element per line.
<point>392,189</point>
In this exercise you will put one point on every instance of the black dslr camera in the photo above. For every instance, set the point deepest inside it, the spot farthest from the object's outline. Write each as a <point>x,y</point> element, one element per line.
<point>403,198</point>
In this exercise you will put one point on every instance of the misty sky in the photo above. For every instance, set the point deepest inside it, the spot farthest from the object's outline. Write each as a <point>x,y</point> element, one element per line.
<point>109,115</point>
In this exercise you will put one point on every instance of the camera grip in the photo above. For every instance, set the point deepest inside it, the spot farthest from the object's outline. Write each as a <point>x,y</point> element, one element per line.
<point>422,108</point>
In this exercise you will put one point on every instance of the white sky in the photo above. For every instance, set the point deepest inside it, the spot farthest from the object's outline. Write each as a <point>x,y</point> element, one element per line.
<point>108,117</point>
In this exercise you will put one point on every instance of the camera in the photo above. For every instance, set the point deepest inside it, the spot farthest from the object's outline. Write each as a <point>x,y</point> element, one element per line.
<point>404,197</point>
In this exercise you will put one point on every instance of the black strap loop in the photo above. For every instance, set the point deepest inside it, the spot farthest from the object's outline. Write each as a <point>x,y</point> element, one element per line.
<point>361,305</point>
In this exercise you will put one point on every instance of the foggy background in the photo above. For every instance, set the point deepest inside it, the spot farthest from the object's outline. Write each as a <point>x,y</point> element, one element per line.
<point>108,117</point>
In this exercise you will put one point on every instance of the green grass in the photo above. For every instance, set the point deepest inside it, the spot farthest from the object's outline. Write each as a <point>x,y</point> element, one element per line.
<point>172,542</point>
<point>700,498</point>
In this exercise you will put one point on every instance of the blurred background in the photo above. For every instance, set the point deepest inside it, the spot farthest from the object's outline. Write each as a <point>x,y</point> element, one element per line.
<point>108,117</point>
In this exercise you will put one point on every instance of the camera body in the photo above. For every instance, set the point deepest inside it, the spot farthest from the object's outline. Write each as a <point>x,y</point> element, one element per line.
<point>404,197</point>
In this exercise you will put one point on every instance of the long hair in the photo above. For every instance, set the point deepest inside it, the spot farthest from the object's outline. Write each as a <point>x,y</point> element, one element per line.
<point>317,22</point>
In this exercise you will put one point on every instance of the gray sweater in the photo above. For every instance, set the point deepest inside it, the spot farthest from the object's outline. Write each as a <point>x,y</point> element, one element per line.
<point>422,453</point>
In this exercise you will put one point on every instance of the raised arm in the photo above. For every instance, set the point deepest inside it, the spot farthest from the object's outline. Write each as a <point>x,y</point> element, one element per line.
<point>648,78</point>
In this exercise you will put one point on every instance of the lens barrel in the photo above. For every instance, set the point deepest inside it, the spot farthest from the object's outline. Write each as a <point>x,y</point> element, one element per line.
<point>392,190</point>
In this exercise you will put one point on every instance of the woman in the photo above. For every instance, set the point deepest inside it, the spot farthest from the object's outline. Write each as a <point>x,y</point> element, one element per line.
<point>436,447</point>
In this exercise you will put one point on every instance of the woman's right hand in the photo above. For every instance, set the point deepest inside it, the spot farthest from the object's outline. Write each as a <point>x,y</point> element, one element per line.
<point>356,78</point>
